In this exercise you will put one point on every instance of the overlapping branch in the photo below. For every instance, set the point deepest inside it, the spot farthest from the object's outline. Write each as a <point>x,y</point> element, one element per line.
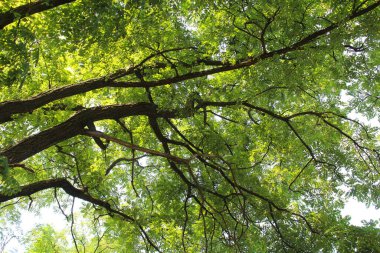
<point>58,183</point>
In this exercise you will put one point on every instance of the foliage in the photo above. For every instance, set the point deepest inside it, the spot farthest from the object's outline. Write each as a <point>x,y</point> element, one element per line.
<point>194,126</point>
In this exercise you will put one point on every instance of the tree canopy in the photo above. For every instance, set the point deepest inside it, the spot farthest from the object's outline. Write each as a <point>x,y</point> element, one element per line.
<point>190,126</point>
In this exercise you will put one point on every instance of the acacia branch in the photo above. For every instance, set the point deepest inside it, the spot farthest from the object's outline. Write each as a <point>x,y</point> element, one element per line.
<point>29,9</point>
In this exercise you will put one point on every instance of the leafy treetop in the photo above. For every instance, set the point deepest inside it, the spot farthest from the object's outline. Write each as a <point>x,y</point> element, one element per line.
<point>194,126</point>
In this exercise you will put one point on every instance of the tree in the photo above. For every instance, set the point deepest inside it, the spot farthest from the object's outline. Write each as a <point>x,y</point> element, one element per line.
<point>194,126</point>
<point>45,239</point>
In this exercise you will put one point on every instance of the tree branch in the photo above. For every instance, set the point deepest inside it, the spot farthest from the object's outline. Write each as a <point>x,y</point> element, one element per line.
<point>26,10</point>
<point>135,147</point>
<point>62,183</point>
<point>75,126</point>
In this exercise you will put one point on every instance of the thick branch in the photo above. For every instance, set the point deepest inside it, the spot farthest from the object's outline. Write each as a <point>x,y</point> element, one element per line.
<point>62,183</point>
<point>75,126</point>
<point>23,11</point>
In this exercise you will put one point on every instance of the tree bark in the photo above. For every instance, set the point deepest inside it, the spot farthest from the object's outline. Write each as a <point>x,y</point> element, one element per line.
<point>75,126</point>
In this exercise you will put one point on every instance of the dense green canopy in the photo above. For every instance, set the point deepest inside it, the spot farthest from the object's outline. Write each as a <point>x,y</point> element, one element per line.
<point>190,125</point>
